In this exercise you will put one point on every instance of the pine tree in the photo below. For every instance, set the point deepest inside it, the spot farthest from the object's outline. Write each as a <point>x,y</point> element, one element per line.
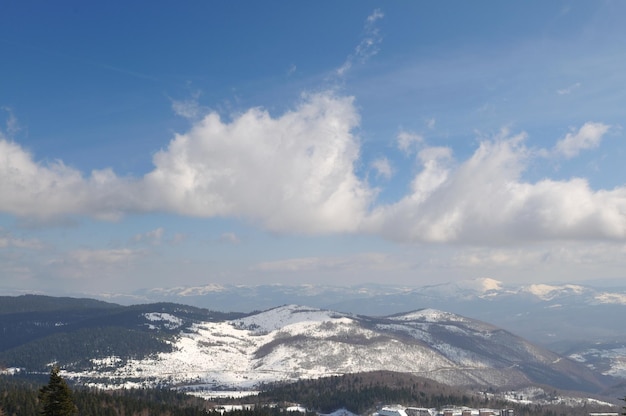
<point>55,399</point>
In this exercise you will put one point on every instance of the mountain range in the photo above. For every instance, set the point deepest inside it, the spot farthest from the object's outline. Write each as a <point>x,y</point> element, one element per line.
<point>582,322</point>
<point>109,345</point>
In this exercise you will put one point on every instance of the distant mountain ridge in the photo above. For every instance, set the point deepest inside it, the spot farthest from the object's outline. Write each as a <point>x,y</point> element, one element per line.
<point>173,344</point>
<point>580,321</point>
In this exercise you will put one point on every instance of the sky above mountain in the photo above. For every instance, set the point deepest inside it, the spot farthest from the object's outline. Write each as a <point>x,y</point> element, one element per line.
<point>151,144</point>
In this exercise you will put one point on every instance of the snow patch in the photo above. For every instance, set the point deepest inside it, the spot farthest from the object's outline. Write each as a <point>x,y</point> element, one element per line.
<point>284,316</point>
<point>429,315</point>
<point>611,298</point>
<point>169,321</point>
<point>549,292</point>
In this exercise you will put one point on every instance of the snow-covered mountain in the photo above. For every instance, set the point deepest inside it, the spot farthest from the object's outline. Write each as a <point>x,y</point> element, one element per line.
<point>295,342</point>
<point>582,321</point>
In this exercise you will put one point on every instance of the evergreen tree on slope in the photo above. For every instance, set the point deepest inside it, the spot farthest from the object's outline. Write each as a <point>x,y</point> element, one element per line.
<point>55,398</point>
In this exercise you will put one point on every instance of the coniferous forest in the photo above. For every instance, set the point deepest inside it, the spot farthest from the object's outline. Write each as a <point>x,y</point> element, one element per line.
<point>358,393</point>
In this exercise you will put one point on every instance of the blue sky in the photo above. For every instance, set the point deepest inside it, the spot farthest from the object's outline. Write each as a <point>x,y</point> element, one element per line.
<point>148,144</point>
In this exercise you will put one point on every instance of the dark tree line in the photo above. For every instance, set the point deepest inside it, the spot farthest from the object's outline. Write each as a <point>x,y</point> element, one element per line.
<point>18,398</point>
<point>359,393</point>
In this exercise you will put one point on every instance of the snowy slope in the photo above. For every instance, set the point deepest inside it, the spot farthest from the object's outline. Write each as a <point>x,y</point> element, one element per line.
<point>294,342</point>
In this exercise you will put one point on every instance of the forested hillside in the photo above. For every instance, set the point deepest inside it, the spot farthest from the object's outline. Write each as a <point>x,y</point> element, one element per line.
<point>38,328</point>
<point>18,398</point>
<point>359,393</point>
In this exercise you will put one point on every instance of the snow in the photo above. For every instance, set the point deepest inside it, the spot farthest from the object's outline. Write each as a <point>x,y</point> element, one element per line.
<point>549,292</point>
<point>295,342</point>
<point>10,371</point>
<point>615,356</point>
<point>340,412</point>
<point>429,315</point>
<point>169,321</point>
<point>391,411</point>
<point>299,409</point>
<point>106,361</point>
<point>284,316</point>
<point>611,298</point>
<point>219,394</point>
<point>237,353</point>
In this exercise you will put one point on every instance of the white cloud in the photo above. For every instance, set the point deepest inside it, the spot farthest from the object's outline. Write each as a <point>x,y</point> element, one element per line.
<point>588,136</point>
<point>376,15</point>
<point>12,125</point>
<point>294,173</point>
<point>51,190</point>
<point>369,45</point>
<point>383,168</point>
<point>485,201</point>
<point>189,108</point>
<point>408,142</point>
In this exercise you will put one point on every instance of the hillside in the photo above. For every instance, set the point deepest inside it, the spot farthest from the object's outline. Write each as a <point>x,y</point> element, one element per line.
<point>39,330</point>
<point>177,345</point>
<point>581,321</point>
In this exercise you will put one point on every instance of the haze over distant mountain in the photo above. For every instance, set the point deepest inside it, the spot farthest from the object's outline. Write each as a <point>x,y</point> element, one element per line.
<point>172,344</point>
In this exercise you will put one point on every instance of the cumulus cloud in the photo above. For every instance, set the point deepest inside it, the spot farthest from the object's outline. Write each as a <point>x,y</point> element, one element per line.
<point>484,200</point>
<point>294,173</point>
<point>588,136</point>
<point>44,191</point>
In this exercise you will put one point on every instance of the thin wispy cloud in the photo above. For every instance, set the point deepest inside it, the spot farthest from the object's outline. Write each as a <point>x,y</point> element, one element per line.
<point>12,126</point>
<point>568,90</point>
<point>409,142</point>
<point>189,108</point>
<point>382,167</point>
<point>369,45</point>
